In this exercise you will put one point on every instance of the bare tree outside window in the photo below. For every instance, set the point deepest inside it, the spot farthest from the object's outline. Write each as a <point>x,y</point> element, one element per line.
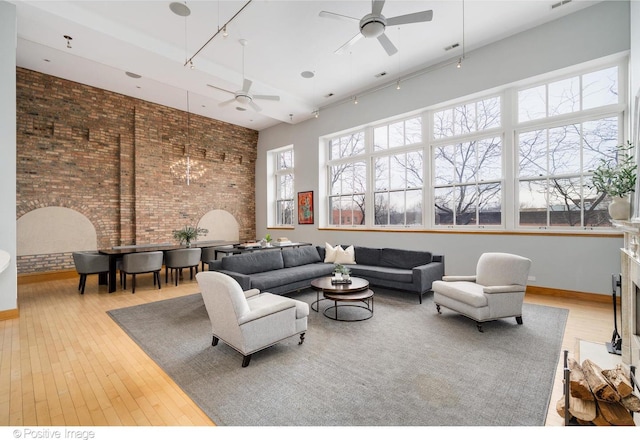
<point>284,205</point>
<point>467,176</point>
<point>556,163</point>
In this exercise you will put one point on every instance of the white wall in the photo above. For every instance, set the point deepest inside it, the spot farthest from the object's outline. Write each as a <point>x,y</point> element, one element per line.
<point>8,39</point>
<point>571,263</point>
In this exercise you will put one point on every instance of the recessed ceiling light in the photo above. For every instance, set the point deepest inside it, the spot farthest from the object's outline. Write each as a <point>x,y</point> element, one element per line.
<point>47,60</point>
<point>307,74</point>
<point>180,9</point>
<point>328,95</point>
<point>381,74</point>
<point>133,75</point>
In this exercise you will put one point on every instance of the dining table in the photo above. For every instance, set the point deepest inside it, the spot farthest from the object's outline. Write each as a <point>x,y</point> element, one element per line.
<point>117,252</point>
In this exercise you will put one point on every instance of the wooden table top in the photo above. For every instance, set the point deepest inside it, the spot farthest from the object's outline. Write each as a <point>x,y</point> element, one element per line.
<point>324,285</point>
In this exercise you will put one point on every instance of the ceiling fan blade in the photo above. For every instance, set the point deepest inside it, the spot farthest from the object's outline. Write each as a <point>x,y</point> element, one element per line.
<point>387,44</point>
<point>255,106</point>
<point>342,49</point>
<point>267,97</point>
<point>376,8</point>
<point>246,85</point>
<point>416,17</point>
<point>222,90</point>
<point>223,103</point>
<point>333,15</point>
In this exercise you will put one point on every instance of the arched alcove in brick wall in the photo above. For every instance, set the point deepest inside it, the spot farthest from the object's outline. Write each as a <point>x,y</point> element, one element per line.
<point>221,224</point>
<point>54,230</point>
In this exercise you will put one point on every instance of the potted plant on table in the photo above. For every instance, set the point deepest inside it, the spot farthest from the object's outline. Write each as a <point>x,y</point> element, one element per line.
<point>188,234</point>
<point>342,272</point>
<point>616,177</point>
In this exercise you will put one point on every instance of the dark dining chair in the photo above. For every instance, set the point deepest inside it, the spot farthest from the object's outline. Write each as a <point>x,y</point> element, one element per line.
<point>179,259</point>
<point>142,262</point>
<point>208,254</point>
<point>89,263</point>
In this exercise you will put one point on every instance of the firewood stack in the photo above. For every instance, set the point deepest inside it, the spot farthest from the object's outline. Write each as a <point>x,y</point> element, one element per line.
<point>599,397</point>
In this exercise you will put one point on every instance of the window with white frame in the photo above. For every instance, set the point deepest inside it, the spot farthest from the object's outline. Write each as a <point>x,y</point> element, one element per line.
<point>467,164</point>
<point>565,128</point>
<point>519,158</point>
<point>347,172</point>
<point>284,178</point>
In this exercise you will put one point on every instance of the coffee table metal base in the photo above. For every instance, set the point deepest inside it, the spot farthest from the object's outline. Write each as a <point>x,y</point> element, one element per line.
<point>364,297</point>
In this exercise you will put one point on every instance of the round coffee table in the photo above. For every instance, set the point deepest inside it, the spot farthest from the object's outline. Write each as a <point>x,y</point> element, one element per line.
<point>356,292</point>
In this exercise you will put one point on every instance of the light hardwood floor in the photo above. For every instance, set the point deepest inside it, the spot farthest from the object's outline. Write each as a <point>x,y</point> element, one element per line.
<point>65,362</point>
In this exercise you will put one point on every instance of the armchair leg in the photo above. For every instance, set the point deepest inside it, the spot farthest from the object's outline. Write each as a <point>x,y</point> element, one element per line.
<point>301,339</point>
<point>479,325</point>
<point>438,309</point>
<point>133,283</point>
<point>519,320</point>
<point>214,342</point>
<point>246,360</point>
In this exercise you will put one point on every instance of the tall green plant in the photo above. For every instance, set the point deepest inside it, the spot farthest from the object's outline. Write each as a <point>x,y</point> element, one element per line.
<point>187,234</point>
<point>617,177</point>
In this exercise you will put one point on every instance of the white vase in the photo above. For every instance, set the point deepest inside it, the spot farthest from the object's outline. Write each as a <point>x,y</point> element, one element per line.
<point>620,208</point>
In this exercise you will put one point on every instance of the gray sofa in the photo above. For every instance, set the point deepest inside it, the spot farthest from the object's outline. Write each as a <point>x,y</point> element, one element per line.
<point>290,269</point>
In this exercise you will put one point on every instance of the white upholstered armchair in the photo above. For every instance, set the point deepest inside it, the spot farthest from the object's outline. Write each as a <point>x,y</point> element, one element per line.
<point>249,321</point>
<point>495,291</point>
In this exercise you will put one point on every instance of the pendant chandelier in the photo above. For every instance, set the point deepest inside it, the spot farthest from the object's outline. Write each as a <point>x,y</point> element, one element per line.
<point>185,168</point>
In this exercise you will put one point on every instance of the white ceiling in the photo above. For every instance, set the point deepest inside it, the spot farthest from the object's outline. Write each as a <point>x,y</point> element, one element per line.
<point>284,39</point>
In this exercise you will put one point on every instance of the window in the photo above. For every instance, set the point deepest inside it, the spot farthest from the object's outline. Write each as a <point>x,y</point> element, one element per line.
<point>556,157</point>
<point>398,189</point>
<point>521,157</point>
<point>467,177</point>
<point>283,175</point>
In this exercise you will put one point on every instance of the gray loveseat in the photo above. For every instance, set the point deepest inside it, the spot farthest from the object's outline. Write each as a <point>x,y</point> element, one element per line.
<point>284,270</point>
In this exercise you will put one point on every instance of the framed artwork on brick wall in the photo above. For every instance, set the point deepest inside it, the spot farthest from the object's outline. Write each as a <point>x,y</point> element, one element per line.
<point>305,208</point>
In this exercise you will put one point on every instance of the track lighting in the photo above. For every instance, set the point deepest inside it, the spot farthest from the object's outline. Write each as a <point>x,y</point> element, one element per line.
<point>355,99</point>
<point>459,65</point>
<point>225,34</point>
<point>191,66</point>
<point>316,113</point>
<point>398,85</point>
<point>68,38</point>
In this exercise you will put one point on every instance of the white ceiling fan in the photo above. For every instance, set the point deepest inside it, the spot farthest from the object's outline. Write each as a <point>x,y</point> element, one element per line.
<point>373,25</point>
<point>243,96</point>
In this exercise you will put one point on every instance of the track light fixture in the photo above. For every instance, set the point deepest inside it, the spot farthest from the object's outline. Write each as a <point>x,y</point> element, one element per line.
<point>355,99</point>
<point>459,65</point>
<point>398,85</point>
<point>68,38</point>
<point>225,34</point>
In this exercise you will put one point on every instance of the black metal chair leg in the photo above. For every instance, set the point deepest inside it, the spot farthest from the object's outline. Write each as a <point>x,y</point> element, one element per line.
<point>246,360</point>
<point>214,342</point>
<point>519,320</point>
<point>133,283</point>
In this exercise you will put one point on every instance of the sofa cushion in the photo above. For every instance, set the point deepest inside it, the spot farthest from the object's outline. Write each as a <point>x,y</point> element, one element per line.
<point>254,262</point>
<point>368,256</point>
<point>379,272</point>
<point>345,256</point>
<point>404,259</point>
<point>290,275</point>
<point>299,256</point>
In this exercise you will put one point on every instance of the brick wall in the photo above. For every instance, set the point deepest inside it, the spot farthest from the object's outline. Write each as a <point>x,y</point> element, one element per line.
<point>107,156</point>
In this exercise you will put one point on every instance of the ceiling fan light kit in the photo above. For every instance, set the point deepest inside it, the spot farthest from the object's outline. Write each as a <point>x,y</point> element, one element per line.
<point>374,24</point>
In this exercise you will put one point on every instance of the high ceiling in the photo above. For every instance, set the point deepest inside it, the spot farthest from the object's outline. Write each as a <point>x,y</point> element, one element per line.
<point>285,42</point>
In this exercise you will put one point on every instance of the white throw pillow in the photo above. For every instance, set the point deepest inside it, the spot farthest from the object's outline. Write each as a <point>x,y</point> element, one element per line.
<point>345,256</point>
<point>330,252</point>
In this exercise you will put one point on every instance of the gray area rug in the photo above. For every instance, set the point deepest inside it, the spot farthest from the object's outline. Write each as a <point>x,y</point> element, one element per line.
<point>406,366</point>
